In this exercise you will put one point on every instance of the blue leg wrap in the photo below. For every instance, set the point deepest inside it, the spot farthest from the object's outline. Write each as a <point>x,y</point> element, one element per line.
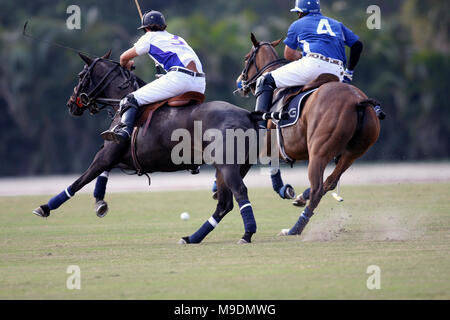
<point>306,194</point>
<point>247,215</point>
<point>214,186</point>
<point>282,192</point>
<point>58,200</point>
<point>278,184</point>
<point>301,223</point>
<point>204,230</point>
<point>100,187</point>
<point>277,181</point>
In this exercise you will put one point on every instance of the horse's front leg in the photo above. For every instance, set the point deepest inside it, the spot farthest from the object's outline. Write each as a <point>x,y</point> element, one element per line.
<point>101,206</point>
<point>285,191</point>
<point>105,159</point>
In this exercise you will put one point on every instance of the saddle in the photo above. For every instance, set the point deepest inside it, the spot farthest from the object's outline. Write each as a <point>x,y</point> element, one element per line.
<point>186,99</point>
<point>291,100</point>
<point>146,113</point>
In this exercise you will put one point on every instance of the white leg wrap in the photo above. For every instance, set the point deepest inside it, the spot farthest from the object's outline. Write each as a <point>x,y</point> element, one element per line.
<point>213,222</point>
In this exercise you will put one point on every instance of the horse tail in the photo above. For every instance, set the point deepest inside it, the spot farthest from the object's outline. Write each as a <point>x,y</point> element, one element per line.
<point>361,110</point>
<point>361,107</point>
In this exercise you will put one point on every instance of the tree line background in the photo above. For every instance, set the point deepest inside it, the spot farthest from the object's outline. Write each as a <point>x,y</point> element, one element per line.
<point>405,65</point>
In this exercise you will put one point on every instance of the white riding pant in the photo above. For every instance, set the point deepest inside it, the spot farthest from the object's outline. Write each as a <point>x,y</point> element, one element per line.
<point>169,85</point>
<point>303,71</point>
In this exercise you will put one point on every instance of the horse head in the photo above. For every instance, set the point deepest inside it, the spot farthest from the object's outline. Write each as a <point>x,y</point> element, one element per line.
<point>91,83</point>
<point>261,58</point>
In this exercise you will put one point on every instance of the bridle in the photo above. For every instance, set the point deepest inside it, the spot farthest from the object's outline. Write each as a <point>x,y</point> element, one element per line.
<point>83,97</point>
<point>247,83</point>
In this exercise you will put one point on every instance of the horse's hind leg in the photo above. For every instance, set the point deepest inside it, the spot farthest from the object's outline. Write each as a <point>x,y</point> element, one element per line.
<point>224,205</point>
<point>103,161</point>
<point>343,164</point>
<point>316,169</point>
<point>232,176</point>
<point>331,182</point>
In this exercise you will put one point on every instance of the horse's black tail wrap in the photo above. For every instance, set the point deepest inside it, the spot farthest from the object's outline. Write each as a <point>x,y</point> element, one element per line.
<point>376,106</point>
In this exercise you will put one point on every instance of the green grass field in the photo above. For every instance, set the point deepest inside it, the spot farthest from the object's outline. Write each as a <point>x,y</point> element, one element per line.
<point>132,252</point>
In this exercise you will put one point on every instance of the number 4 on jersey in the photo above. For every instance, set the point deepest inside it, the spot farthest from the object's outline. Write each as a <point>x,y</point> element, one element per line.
<point>324,27</point>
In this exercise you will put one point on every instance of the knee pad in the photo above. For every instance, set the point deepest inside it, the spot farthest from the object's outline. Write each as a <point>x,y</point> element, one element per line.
<point>265,83</point>
<point>128,102</point>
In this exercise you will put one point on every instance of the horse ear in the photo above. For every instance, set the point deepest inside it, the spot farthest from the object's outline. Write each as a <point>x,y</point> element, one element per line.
<point>254,41</point>
<point>107,55</point>
<point>85,58</point>
<point>276,42</point>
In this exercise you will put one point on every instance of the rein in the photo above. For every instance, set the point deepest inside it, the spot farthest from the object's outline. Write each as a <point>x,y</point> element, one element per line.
<point>90,99</point>
<point>247,83</point>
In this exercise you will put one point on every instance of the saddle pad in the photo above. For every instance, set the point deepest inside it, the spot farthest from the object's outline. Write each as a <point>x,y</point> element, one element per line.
<point>294,109</point>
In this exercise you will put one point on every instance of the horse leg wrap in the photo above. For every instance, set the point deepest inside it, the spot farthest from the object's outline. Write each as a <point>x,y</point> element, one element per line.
<point>302,222</point>
<point>204,230</point>
<point>277,181</point>
<point>214,186</point>
<point>58,200</point>
<point>100,186</point>
<point>306,194</point>
<point>247,215</point>
<point>278,184</point>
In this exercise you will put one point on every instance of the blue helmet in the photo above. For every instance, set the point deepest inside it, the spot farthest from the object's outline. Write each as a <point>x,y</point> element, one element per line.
<point>307,6</point>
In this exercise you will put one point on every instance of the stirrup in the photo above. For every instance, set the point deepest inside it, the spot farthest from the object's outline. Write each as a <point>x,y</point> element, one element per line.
<point>118,134</point>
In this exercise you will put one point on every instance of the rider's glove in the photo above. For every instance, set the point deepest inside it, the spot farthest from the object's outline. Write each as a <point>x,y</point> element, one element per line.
<point>348,76</point>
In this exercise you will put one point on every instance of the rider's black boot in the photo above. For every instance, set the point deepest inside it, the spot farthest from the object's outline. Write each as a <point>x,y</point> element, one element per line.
<point>264,94</point>
<point>122,132</point>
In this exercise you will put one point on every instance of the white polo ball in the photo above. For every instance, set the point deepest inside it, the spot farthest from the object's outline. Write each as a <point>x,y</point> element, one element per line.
<point>184,216</point>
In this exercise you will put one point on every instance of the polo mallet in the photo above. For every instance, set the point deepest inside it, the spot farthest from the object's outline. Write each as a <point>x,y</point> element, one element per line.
<point>159,71</point>
<point>56,44</point>
<point>336,194</point>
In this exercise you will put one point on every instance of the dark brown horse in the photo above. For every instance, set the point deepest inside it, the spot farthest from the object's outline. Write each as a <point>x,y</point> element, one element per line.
<point>329,128</point>
<point>103,80</point>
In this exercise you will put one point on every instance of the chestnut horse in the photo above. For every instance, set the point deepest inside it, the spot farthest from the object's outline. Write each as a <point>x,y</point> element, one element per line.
<point>329,128</point>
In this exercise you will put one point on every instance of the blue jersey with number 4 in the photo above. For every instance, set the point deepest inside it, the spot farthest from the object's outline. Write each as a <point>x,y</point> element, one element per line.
<point>319,34</point>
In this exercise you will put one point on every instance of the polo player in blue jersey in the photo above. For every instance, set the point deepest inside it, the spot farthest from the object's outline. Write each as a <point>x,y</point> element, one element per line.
<point>321,45</point>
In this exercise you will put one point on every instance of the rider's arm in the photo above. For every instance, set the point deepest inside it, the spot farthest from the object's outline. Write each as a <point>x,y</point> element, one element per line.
<point>355,53</point>
<point>290,51</point>
<point>291,54</point>
<point>125,58</point>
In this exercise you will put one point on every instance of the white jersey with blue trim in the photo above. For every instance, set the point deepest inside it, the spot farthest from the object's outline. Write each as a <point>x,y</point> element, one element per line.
<point>167,50</point>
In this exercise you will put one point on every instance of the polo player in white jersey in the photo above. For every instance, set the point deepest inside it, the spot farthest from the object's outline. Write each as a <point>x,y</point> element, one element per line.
<point>171,52</point>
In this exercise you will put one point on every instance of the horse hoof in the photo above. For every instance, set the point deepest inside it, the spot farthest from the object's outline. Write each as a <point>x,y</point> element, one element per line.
<point>283,233</point>
<point>289,193</point>
<point>41,212</point>
<point>214,196</point>
<point>184,240</point>
<point>242,241</point>
<point>101,208</point>
<point>299,201</point>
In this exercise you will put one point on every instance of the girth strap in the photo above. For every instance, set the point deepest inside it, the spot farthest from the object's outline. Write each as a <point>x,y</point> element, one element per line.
<point>134,156</point>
